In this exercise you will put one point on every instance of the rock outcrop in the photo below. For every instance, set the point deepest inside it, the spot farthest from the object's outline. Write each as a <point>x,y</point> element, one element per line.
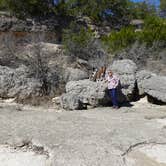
<point>72,74</point>
<point>141,77</point>
<point>24,30</point>
<point>126,71</point>
<point>28,25</point>
<point>155,88</point>
<point>16,83</point>
<point>83,93</point>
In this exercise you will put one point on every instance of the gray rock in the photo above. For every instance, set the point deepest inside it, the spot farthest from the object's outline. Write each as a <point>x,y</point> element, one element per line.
<point>125,66</point>
<point>17,83</point>
<point>29,25</point>
<point>141,76</point>
<point>71,101</point>
<point>85,93</point>
<point>80,94</point>
<point>74,74</point>
<point>18,141</point>
<point>126,71</point>
<point>155,87</point>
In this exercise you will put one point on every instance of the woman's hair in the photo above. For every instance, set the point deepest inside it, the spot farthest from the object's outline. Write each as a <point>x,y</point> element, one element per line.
<point>110,71</point>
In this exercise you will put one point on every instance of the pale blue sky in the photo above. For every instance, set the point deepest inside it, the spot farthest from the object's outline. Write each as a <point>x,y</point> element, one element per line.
<point>156,2</point>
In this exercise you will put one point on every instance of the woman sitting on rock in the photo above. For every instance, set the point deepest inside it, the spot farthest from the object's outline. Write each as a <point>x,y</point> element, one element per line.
<point>113,82</point>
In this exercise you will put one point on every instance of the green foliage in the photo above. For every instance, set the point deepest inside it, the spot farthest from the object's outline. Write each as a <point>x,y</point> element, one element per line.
<point>2,4</point>
<point>119,40</point>
<point>28,7</point>
<point>60,9</point>
<point>154,31</point>
<point>76,39</point>
<point>97,10</point>
<point>141,10</point>
<point>163,4</point>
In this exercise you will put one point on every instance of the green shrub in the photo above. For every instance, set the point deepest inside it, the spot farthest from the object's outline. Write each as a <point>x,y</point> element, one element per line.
<point>25,8</point>
<point>79,42</point>
<point>119,40</point>
<point>76,40</point>
<point>154,31</point>
<point>2,4</point>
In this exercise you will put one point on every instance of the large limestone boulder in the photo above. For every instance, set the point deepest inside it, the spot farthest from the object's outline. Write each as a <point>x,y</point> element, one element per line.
<point>141,77</point>
<point>16,83</point>
<point>83,93</point>
<point>126,71</point>
<point>155,88</point>
<point>72,74</point>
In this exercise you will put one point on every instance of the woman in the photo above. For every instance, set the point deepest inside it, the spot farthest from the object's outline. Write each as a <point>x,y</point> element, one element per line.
<point>113,82</point>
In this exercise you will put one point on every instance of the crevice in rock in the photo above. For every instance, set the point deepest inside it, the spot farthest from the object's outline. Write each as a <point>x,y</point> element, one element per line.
<point>136,96</point>
<point>154,117</point>
<point>143,143</point>
<point>154,100</point>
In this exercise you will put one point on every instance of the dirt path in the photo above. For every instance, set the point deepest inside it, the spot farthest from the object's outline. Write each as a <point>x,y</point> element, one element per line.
<point>130,136</point>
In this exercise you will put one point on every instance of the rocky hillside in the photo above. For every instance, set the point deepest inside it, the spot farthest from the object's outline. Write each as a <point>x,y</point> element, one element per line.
<point>34,66</point>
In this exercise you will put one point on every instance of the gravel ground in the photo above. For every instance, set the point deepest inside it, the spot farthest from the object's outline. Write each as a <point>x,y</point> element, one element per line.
<point>130,136</point>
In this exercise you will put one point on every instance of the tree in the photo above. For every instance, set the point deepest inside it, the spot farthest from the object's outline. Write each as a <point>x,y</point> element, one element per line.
<point>162,4</point>
<point>163,8</point>
<point>60,8</point>
<point>79,42</point>
<point>29,7</point>
<point>2,4</point>
<point>141,10</point>
<point>115,11</point>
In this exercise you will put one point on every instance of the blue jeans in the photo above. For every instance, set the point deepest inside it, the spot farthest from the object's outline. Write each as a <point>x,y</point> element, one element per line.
<point>113,95</point>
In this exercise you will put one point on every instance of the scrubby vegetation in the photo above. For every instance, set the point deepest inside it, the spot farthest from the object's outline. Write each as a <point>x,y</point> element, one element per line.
<point>154,31</point>
<point>79,39</point>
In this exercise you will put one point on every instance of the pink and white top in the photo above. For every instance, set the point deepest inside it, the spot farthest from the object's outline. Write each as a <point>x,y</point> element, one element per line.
<point>112,81</point>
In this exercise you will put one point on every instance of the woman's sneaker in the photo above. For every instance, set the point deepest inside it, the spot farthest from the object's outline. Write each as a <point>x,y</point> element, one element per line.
<point>116,107</point>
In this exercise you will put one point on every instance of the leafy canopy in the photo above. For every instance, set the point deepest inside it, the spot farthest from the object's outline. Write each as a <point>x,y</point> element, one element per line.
<point>163,4</point>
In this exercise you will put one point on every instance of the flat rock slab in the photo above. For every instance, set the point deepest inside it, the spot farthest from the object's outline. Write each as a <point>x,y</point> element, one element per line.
<point>148,155</point>
<point>12,157</point>
<point>93,137</point>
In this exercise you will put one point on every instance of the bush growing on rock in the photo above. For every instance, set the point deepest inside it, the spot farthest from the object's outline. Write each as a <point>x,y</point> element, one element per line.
<point>35,58</point>
<point>79,42</point>
<point>76,40</point>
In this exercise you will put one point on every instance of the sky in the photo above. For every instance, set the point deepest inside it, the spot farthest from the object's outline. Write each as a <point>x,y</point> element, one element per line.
<point>156,2</point>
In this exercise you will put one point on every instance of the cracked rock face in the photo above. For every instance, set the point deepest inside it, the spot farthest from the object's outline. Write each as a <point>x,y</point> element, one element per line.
<point>29,25</point>
<point>126,70</point>
<point>17,83</point>
<point>141,77</point>
<point>83,93</point>
<point>155,87</point>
